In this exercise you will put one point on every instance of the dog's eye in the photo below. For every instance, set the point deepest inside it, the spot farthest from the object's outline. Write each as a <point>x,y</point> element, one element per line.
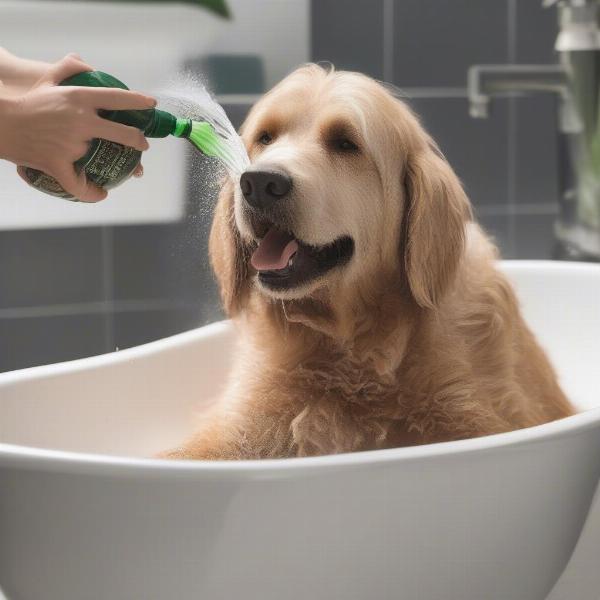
<point>265,138</point>
<point>345,145</point>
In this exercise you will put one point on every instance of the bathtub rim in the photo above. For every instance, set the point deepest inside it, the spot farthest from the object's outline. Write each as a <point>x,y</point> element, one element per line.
<point>58,461</point>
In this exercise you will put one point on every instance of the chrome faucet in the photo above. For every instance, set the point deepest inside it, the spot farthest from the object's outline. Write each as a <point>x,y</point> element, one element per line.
<point>576,81</point>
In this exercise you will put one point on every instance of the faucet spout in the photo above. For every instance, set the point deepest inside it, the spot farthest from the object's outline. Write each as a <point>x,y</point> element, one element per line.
<point>486,81</point>
<point>576,80</point>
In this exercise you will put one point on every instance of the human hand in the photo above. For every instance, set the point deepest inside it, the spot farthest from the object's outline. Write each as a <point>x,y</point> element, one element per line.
<point>17,75</point>
<point>50,126</point>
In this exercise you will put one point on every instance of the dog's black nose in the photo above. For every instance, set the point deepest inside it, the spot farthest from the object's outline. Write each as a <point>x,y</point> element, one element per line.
<point>262,189</point>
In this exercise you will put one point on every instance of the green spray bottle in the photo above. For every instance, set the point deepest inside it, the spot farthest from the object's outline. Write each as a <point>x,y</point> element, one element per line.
<point>108,164</point>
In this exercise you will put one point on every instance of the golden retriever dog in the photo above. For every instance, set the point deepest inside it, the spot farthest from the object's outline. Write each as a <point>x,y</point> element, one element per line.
<point>368,304</point>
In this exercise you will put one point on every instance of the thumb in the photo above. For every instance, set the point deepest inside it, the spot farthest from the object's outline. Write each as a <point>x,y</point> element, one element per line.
<point>78,185</point>
<point>70,65</point>
<point>21,170</point>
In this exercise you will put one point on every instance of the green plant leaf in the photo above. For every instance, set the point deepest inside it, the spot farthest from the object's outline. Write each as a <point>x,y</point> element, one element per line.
<point>218,7</point>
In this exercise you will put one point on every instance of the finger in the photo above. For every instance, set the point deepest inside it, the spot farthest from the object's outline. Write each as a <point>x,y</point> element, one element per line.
<point>117,99</point>
<point>139,171</point>
<point>64,68</point>
<point>78,185</point>
<point>122,134</point>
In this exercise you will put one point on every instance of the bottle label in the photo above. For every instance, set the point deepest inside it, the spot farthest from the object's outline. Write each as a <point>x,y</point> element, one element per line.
<point>106,164</point>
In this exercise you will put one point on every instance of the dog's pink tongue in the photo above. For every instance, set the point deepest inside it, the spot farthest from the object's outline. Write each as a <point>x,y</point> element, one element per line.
<point>274,251</point>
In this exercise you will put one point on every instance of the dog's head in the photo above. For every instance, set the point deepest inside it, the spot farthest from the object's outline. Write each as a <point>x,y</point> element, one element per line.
<point>344,187</point>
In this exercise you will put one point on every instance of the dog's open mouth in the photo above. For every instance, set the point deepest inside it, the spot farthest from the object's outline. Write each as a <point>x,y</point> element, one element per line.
<point>283,261</point>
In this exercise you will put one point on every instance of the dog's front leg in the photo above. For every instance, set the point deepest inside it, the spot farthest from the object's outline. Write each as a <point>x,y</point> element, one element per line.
<point>215,447</point>
<point>218,439</point>
<point>234,435</point>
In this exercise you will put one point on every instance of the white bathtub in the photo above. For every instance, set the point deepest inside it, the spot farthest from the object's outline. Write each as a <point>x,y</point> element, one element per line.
<point>83,516</point>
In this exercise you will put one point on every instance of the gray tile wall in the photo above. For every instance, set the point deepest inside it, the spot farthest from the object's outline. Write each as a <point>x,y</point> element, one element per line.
<point>70,293</point>
<point>436,40</point>
<point>77,292</point>
<point>507,162</point>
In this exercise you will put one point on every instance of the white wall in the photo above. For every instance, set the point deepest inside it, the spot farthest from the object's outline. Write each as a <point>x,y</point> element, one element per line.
<point>142,45</point>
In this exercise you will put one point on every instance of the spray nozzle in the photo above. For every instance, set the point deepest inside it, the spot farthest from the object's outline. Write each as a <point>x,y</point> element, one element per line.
<point>204,137</point>
<point>209,136</point>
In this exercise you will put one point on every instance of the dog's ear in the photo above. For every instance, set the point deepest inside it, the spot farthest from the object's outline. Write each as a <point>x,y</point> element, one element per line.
<point>436,212</point>
<point>228,255</point>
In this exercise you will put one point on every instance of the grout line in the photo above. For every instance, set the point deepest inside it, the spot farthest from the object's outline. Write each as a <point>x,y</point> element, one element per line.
<point>388,40</point>
<point>434,92</point>
<point>309,36</point>
<point>512,25</point>
<point>235,99</point>
<point>511,176</point>
<point>411,92</point>
<point>524,209</point>
<point>88,308</point>
<point>108,286</point>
